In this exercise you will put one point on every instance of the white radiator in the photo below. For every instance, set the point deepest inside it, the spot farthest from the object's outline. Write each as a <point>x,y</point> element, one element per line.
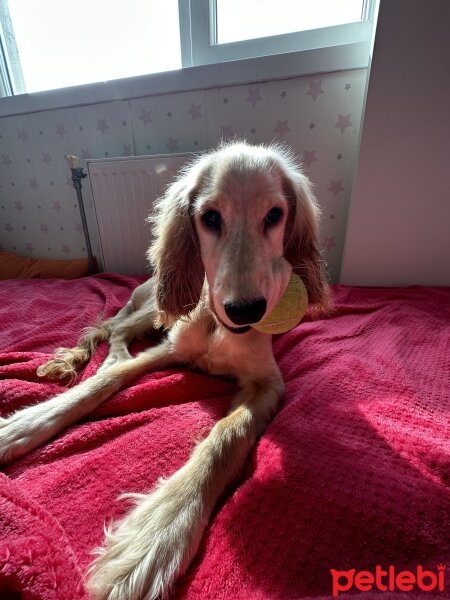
<point>123,192</point>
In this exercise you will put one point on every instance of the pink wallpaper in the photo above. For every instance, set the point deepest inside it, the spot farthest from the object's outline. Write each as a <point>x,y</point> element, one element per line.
<point>318,116</point>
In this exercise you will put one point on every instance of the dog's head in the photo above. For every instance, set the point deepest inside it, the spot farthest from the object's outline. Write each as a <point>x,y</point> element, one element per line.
<point>244,216</point>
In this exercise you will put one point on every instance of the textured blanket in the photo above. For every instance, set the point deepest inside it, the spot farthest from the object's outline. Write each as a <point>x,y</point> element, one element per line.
<point>352,473</point>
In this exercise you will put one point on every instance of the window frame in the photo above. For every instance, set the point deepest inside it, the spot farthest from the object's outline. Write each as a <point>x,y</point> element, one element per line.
<point>11,76</point>
<point>279,65</point>
<point>199,46</point>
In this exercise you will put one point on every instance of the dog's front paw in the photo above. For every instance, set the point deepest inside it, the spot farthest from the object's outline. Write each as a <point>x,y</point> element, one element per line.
<point>16,437</point>
<point>151,546</point>
<point>29,428</point>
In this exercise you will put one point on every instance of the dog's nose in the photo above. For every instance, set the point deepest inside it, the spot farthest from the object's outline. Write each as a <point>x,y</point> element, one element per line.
<point>244,312</point>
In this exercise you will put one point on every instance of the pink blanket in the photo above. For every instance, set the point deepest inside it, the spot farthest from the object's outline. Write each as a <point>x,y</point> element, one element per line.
<point>353,472</point>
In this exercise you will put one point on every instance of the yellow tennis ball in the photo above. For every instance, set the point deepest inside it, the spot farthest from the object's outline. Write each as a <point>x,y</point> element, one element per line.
<point>289,310</point>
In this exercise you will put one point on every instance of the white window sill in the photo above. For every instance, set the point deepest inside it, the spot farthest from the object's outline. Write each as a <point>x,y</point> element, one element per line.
<point>280,66</point>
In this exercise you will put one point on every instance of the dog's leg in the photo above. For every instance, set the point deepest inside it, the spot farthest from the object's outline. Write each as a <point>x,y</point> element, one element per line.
<point>66,361</point>
<point>29,428</point>
<point>135,318</point>
<point>124,330</point>
<point>156,541</point>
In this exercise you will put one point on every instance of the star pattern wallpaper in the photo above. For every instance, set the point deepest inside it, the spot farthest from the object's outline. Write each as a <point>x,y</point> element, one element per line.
<point>318,116</point>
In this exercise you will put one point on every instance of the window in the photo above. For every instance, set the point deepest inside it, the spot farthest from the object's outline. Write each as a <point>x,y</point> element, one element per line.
<point>49,44</point>
<point>264,18</point>
<point>215,31</point>
<point>62,43</point>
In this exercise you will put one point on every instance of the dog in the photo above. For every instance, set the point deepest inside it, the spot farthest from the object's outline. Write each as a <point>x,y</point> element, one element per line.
<point>227,235</point>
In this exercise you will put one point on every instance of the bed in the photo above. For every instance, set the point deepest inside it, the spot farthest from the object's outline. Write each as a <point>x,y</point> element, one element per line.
<point>353,472</point>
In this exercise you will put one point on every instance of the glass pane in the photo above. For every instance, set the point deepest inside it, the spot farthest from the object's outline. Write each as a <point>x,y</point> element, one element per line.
<point>247,19</point>
<point>63,43</point>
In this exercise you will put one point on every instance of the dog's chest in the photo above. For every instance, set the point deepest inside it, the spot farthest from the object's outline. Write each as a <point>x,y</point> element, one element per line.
<point>222,355</point>
<point>219,352</point>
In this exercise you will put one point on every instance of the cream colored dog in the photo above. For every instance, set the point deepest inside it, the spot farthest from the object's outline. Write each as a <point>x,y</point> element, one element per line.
<point>226,235</point>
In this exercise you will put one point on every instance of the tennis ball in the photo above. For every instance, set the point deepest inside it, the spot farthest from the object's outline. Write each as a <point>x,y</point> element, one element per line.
<point>289,310</point>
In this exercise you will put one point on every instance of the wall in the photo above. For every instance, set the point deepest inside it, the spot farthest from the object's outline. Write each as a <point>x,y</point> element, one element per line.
<point>318,116</point>
<point>399,222</point>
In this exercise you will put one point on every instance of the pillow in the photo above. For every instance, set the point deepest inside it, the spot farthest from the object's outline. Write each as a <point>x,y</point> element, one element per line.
<point>20,267</point>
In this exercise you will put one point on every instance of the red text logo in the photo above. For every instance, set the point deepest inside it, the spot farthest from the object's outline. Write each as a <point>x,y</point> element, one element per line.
<point>388,580</point>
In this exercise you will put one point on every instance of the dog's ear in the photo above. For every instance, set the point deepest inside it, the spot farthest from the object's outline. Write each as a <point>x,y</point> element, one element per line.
<point>174,252</point>
<point>302,236</point>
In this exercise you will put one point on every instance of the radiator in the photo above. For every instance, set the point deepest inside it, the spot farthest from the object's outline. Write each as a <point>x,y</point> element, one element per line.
<point>123,192</point>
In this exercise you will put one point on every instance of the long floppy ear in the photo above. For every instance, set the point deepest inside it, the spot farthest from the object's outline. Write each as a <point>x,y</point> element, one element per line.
<point>302,235</point>
<point>174,253</point>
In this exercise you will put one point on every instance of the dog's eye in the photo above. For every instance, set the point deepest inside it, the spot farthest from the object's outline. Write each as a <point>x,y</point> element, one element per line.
<point>273,217</point>
<point>212,220</point>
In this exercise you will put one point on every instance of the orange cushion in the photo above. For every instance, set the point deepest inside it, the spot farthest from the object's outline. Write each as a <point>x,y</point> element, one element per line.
<point>20,267</point>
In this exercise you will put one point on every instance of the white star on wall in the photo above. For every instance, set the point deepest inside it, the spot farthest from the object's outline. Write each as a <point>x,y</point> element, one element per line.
<point>282,128</point>
<point>343,122</point>
<point>315,89</point>
<point>102,125</point>
<point>46,158</point>
<point>195,111</point>
<point>330,242</point>
<point>253,96</point>
<point>309,157</point>
<point>60,130</point>
<point>335,187</point>
<point>23,135</point>
<point>146,116</point>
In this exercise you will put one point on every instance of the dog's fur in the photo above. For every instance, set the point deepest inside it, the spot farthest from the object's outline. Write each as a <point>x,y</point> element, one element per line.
<point>247,256</point>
